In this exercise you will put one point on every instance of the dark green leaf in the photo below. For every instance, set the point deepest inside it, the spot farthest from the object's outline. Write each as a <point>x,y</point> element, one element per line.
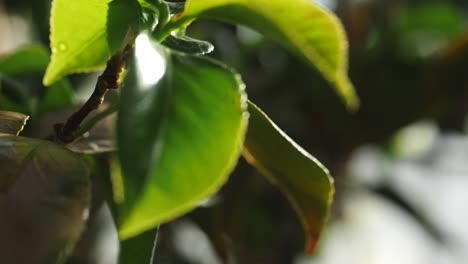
<point>188,45</point>
<point>123,18</point>
<point>29,59</point>
<point>9,105</point>
<point>26,60</point>
<point>178,137</point>
<point>304,180</point>
<point>176,8</point>
<point>139,249</point>
<point>149,18</point>
<point>12,123</point>
<point>156,5</point>
<point>45,191</point>
<point>14,96</point>
<point>302,26</point>
<point>160,10</point>
<point>426,29</point>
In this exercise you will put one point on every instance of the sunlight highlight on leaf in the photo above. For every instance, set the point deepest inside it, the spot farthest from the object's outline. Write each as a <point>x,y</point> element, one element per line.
<point>151,65</point>
<point>178,140</point>
<point>302,26</point>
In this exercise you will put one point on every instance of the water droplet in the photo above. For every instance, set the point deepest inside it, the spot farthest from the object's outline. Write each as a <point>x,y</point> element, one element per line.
<point>62,47</point>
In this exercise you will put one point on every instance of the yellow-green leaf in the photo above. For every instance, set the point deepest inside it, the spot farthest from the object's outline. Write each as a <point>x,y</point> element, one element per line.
<point>304,180</point>
<point>85,34</point>
<point>302,26</point>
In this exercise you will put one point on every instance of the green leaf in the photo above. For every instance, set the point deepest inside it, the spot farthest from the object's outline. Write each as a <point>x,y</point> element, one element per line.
<point>176,8</point>
<point>302,26</point>
<point>303,179</point>
<point>160,12</point>
<point>58,96</point>
<point>424,30</point>
<point>12,123</point>
<point>149,18</point>
<point>14,97</point>
<point>139,249</point>
<point>188,45</point>
<point>9,105</point>
<point>156,5</point>
<point>29,59</point>
<point>123,23</point>
<point>178,137</point>
<point>44,190</point>
<point>85,34</point>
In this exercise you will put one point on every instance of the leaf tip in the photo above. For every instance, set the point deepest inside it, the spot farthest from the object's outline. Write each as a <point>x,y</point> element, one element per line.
<point>353,105</point>
<point>49,78</point>
<point>312,243</point>
<point>124,234</point>
<point>347,92</point>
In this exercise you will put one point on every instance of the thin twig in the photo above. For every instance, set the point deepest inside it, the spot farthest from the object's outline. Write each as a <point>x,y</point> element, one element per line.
<point>109,79</point>
<point>88,125</point>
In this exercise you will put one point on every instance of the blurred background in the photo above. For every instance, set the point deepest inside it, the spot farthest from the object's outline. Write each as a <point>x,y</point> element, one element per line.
<point>400,163</point>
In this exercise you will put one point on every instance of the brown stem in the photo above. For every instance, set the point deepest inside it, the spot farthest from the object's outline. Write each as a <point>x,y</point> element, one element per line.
<point>109,79</point>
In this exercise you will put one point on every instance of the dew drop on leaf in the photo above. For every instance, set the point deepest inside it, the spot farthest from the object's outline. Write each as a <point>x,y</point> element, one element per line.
<point>62,47</point>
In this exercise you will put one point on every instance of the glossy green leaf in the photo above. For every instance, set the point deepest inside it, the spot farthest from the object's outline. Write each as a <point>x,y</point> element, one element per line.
<point>85,34</point>
<point>303,179</point>
<point>44,190</point>
<point>302,26</point>
<point>29,59</point>
<point>175,150</point>
<point>188,45</point>
<point>12,123</point>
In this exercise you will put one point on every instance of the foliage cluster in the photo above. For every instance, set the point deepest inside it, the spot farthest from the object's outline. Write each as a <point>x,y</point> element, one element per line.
<point>182,119</point>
